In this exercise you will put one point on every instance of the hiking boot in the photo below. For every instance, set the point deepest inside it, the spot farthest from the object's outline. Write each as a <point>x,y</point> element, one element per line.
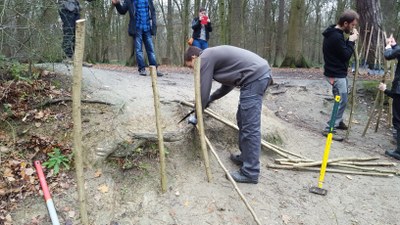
<point>239,177</point>
<point>86,64</point>
<point>236,159</point>
<point>393,153</point>
<point>335,137</point>
<point>68,60</point>
<point>142,73</point>
<point>159,74</point>
<point>342,126</point>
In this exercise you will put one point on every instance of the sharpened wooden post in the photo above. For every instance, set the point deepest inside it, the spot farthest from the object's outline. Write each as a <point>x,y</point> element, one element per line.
<point>199,114</point>
<point>76,115</point>
<point>153,74</point>
<point>232,181</point>
<point>353,89</point>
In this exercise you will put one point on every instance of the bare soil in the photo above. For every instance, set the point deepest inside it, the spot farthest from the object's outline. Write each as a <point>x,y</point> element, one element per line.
<point>123,187</point>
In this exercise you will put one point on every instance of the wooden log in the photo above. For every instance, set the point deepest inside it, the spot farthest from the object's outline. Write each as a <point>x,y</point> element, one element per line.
<point>293,160</point>
<point>274,148</point>
<point>163,174</point>
<point>329,170</point>
<point>76,115</point>
<point>316,163</point>
<point>199,115</point>
<point>232,181</point>
<point>365,168</point>
<point>369,163</point>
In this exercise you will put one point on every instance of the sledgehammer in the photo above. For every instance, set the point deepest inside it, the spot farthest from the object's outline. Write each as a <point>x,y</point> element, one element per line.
<point>319,190</point>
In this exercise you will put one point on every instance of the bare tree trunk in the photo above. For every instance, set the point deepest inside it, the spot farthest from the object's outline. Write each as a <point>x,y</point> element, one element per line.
<point>267,48</point>
<point>294,56</point>
<point>236,23</point>
<point>370,11</point>
<point>170,30</point>
<point>222,22</point>
<point>279,34</point>
<point>341,6</point>
<point>317,31</point>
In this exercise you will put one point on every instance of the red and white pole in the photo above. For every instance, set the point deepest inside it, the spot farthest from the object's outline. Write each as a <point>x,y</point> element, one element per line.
<point>47,197</point>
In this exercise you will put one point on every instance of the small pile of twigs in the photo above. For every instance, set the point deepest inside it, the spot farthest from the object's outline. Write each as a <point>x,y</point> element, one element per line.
<point>350,165</point>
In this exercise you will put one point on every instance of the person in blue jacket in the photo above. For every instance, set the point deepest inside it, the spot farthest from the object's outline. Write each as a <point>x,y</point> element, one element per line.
<point>142,26</point>
<point>392,51</point>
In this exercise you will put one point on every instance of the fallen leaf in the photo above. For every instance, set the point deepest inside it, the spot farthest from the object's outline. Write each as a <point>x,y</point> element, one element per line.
<point>98,173</point>
<point>9,218</point>
<point>103,188</point>
<point>71,214</point>
<point>349,177</point>
<point>39,115</point>
<point>29,171</point>
<point>285,219</point>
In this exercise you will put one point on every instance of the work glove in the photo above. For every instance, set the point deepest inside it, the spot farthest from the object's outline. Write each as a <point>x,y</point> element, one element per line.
<point>382,87</point>
<point>354,36</point>
<point>192,120</point>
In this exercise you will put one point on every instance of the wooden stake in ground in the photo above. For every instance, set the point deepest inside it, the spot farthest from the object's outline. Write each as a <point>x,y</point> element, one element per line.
<point>153,74</point>
<point>353,90</point>
<point>199,114</point>
<point>232,181</point>
<point>76,115</point>
<point>382,98</point>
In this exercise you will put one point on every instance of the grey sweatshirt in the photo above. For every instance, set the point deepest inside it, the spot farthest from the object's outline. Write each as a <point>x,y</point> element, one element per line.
<point>230,66</point>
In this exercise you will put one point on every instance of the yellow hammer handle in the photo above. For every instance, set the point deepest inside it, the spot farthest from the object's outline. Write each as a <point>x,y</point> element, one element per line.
<point>325,159</point>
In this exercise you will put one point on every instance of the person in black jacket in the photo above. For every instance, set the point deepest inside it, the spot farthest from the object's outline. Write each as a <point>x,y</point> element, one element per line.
<point>201,26</point>
<point>392,51</point>
<point>337,52</point>
<point>69,11</point>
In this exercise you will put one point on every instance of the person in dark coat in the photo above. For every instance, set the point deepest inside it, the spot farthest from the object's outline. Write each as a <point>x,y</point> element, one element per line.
<point>201,26</point>
<point>69,11</point>
<point>337,52</point>
<point>392,51</point>
<point>142,26</point>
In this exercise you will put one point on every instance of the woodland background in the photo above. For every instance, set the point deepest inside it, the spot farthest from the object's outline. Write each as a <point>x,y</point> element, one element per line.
<point>285,32</point>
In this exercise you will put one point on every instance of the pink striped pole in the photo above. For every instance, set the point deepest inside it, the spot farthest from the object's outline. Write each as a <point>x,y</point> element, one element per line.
<point>47,197</point>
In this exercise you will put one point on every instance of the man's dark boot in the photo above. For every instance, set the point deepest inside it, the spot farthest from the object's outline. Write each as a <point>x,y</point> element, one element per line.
<point>395,153</point>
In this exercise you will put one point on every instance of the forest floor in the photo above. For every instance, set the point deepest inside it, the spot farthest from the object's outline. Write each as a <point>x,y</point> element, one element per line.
<point>122,178</point>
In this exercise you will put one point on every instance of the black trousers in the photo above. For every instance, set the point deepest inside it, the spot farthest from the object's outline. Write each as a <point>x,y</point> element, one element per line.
<point>396,113</point>
<point>68,19</point>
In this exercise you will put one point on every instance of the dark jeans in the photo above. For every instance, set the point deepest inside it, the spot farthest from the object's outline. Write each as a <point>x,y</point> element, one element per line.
<point>146,39</point>
<point>68,19</point>
<point>248,118</point>
<point>202,44</point>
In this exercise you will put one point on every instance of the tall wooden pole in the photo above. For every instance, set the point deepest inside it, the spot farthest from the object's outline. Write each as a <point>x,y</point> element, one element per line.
<point>76,115</point>
<point>153,74</point>
<point>382,98</point>
<point>199,114</point>
<point>354,89</point>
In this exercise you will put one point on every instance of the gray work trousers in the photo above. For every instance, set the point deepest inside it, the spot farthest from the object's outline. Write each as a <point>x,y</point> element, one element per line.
<point>339,86</point>
<point>248,118</point>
